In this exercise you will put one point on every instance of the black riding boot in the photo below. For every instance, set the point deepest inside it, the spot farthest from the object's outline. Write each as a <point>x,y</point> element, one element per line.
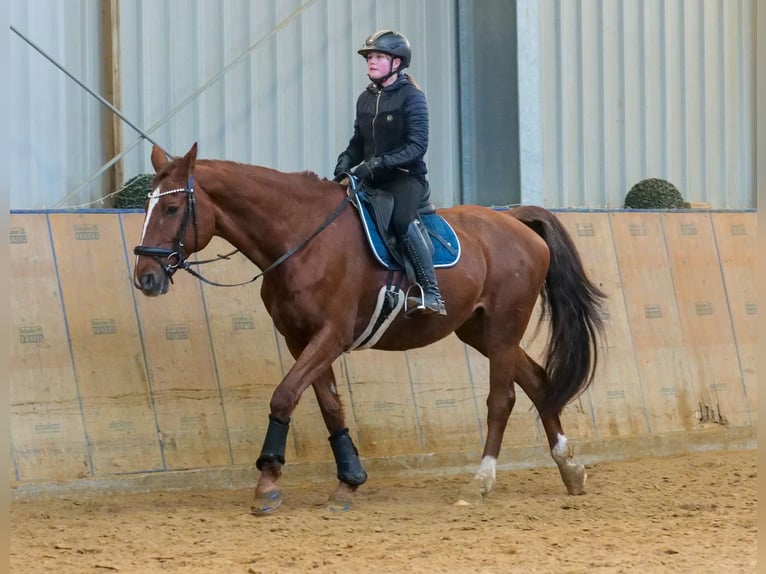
<point>417,252</point>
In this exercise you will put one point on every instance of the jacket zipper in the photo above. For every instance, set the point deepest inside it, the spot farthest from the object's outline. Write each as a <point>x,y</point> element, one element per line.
<point>375,117</point>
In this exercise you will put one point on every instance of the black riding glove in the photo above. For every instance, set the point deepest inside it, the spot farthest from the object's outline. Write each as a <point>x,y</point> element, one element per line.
<point>367,170</point>
<point>343,166</point>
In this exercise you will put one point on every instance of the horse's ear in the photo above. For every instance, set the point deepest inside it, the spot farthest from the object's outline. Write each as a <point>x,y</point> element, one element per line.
<point>159,158</point>
<point>189,161</point>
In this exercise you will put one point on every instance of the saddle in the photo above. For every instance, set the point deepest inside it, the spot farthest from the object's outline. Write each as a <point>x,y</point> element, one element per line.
<point>376,207</point>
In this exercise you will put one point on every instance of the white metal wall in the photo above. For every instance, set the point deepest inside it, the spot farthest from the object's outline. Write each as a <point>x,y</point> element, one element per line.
<point>289,102</point>
<point>55,127</point>
<point>647,88</point>
<point>627,89</point>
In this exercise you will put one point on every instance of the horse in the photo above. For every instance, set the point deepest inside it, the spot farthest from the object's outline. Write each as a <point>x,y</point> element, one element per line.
<point>319,283</point>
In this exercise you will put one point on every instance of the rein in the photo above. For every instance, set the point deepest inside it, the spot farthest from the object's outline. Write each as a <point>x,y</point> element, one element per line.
<point>183,263</point>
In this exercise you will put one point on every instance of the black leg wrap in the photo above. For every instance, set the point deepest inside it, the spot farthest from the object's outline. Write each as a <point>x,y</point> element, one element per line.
<point>274,443</point>
<point>350,468</point>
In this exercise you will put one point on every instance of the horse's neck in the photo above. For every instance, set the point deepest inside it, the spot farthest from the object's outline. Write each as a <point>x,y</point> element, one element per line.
<point>264,213</point>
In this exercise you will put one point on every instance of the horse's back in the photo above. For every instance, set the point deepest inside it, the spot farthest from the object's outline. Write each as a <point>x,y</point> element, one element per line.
<point>494,229</point>
<point>499,252</point>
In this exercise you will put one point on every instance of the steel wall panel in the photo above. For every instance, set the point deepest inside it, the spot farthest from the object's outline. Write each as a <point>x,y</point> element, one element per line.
<point>628,90</point>
<point>653,88</point>
<point>289,102</point>
<point>55,126</point>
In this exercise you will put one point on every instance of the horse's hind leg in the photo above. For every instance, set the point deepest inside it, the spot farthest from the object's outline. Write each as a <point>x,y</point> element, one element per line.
<point>532,379</point>
<point>500,402</point>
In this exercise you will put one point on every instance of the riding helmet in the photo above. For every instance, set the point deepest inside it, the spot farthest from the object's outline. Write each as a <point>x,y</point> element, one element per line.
<point>388,42</point>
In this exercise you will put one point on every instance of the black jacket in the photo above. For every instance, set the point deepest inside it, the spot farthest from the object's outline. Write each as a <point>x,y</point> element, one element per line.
<point>391,124</point>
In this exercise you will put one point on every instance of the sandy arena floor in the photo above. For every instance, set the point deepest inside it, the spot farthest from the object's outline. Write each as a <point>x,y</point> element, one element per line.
<point>692,513</point>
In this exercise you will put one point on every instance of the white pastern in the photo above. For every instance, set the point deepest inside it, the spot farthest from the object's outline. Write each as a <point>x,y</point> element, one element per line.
<point>573,474</point>
<point>561,451</point>
<point>487,473</point>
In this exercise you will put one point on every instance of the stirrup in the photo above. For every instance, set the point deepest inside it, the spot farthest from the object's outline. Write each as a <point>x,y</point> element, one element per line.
<point>421,305</point>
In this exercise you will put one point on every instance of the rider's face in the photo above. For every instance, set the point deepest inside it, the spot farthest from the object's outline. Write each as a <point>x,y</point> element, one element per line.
<point>379,65</point>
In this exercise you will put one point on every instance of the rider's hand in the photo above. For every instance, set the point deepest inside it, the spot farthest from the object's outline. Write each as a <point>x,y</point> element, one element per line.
<point>341,169</point>
<point>365,171</point>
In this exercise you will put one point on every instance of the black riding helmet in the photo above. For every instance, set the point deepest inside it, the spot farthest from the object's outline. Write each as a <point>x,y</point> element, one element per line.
<point>388,42</point>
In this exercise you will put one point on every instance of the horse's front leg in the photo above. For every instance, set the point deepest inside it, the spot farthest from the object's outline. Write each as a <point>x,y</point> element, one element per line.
<point>311,367</point>
<point>351,473</point>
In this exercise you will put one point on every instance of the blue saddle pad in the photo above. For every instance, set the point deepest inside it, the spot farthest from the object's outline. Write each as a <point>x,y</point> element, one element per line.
<point>445,241</point>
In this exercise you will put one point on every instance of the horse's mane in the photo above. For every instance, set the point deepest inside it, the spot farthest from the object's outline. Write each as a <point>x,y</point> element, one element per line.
<point>253,172</point>
<point>246,167</point>
<point>310,175</point>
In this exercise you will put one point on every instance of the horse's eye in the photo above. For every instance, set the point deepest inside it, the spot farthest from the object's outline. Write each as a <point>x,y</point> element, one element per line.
<point>171,210</point>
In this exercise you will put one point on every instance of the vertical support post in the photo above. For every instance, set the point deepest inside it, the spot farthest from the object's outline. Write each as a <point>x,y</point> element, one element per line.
<point>530,102</point>
<point>111,89</point>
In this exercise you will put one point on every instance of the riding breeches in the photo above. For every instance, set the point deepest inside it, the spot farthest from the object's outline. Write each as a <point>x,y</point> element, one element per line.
<point>408,192</point>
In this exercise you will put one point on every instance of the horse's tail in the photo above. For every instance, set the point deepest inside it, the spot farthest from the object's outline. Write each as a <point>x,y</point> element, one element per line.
<point>575,306</point>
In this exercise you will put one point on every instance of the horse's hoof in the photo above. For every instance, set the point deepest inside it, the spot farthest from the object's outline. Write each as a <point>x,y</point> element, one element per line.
<point>470,494</point>
<point>266,503</point>
<point>575,477</point>
<point>339,504</point>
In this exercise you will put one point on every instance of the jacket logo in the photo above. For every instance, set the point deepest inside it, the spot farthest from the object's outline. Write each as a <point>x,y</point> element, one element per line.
<point>389,118</point>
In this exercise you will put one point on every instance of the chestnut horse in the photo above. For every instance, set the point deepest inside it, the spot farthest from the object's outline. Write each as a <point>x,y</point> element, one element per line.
<point>320,283</point>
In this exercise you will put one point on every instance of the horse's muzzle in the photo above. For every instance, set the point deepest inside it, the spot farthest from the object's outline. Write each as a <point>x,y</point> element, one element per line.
<point>152,283</point>
<point>155,281</point>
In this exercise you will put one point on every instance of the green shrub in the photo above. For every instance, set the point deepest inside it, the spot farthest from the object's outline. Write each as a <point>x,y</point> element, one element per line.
<point>654,193</point>
<point>133,194</point>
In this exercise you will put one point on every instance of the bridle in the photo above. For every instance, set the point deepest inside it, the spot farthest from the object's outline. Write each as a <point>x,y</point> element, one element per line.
<point>175,258</point>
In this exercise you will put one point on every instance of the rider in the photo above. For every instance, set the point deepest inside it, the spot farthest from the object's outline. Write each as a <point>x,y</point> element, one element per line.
<point>387,151</point>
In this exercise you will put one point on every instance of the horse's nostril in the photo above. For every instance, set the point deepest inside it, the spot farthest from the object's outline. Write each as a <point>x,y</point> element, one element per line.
<point>147,282</point>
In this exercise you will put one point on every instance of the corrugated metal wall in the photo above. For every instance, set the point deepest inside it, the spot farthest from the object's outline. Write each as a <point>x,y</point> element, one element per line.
<point>55,127</point>
<point>647,88</point>
<point>289,101</point>
<point>627,89</point>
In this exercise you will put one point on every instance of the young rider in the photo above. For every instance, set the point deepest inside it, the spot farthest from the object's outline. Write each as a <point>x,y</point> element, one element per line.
<point>387,151</point>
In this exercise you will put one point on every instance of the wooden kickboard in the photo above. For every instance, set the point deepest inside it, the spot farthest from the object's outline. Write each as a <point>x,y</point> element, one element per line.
<point>97,294</point>
<point>47,434</point>
<point>89,393</point>
<point>182,375</point>
<point>444,397</point>
<point>381,403</point>
<point>658,343</point>
<point>736,235</point>
<point>616,394</point>
<point>245,346</point>
<point>705,321</point>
